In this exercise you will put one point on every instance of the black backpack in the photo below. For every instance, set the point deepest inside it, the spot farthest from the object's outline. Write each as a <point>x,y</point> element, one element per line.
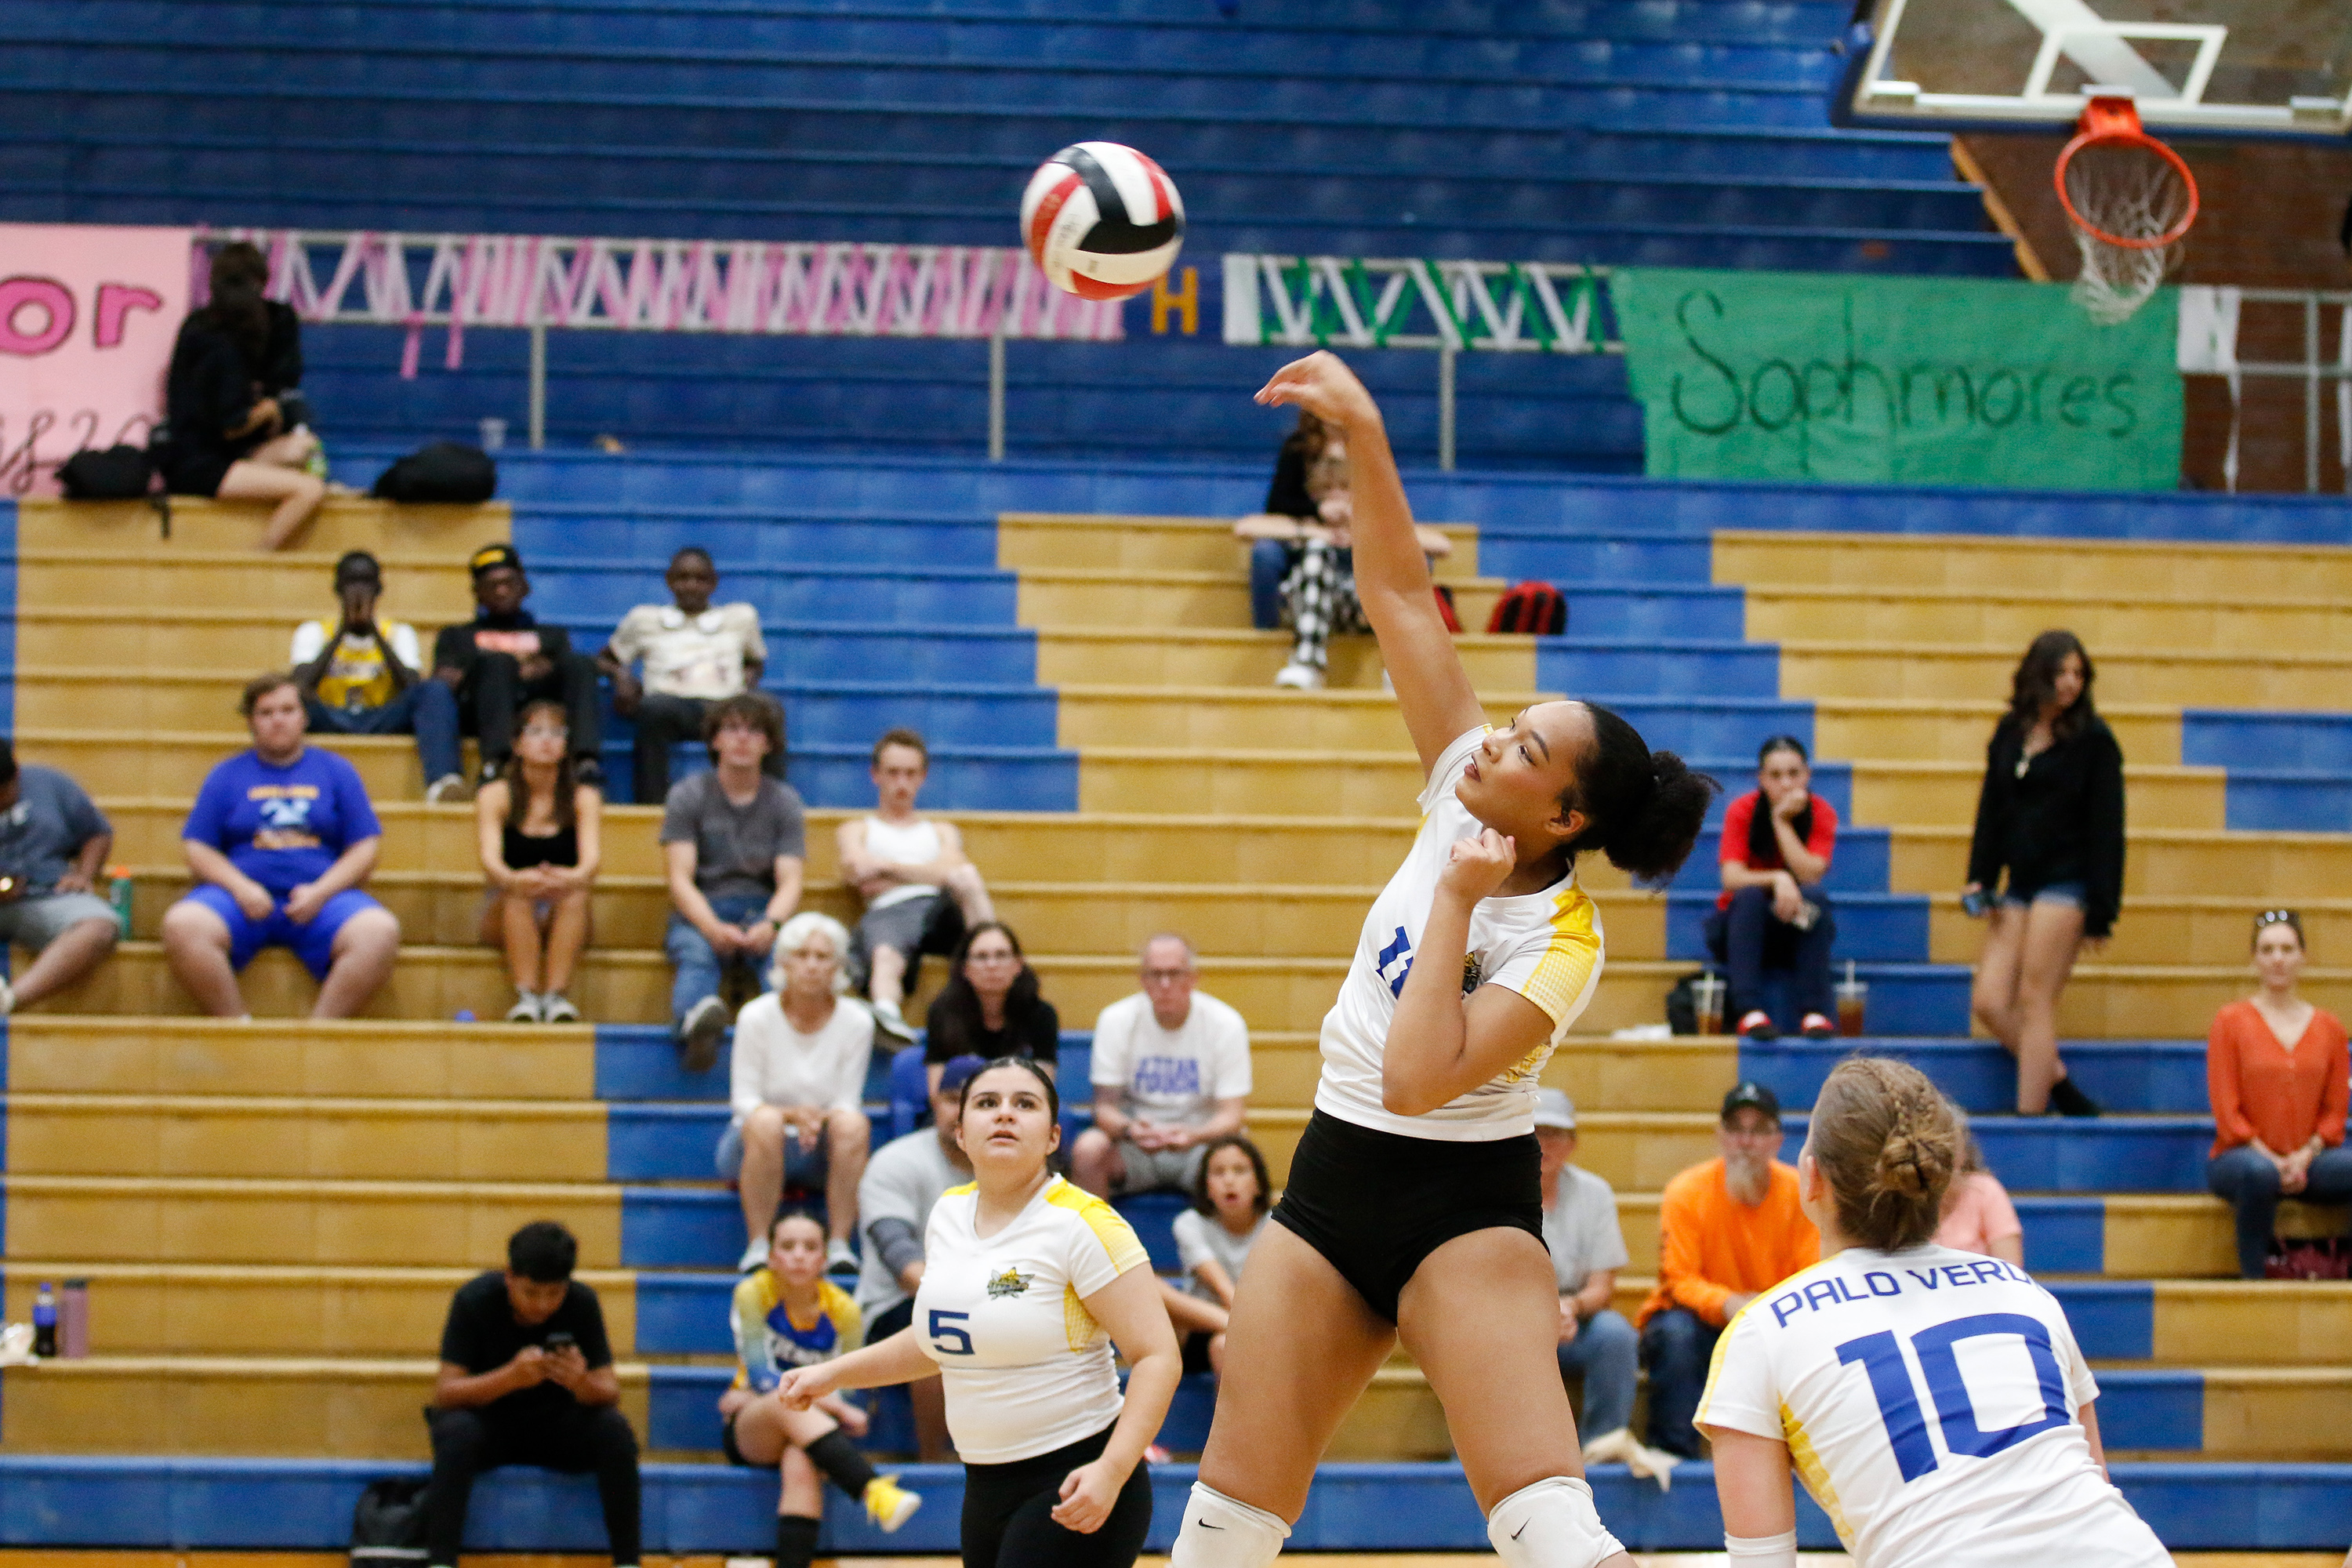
<point>118,473</point>
<point>388,1523</point>
<point>444,471</point>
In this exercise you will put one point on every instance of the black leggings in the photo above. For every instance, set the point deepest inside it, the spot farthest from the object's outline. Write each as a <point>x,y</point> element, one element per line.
<point>1008,1509</point>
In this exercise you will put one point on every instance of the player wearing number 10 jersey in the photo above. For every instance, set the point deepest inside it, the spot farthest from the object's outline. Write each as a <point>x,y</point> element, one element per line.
<point>1934,1402</point>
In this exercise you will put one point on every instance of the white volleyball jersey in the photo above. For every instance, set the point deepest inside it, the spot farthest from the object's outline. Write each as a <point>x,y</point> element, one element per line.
<point>1928,1402</point>
<point>1546,946</point>
<point>1025,1367</point>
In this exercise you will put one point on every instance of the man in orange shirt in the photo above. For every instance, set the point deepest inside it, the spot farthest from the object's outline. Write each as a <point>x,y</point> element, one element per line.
<point>1727,1231</point>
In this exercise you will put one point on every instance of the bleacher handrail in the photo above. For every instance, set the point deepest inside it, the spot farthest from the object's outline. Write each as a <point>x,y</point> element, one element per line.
<point>1365,302</point>
<point>843,288</point>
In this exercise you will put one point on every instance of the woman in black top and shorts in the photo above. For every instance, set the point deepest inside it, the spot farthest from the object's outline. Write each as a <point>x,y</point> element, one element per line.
<point>223,435</point>
<point>1414,1207</point>
<point>2051,812</point>
<point>540,835</point>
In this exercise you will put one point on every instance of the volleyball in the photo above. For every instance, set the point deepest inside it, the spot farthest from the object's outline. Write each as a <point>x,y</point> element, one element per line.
<point>1102,221</point>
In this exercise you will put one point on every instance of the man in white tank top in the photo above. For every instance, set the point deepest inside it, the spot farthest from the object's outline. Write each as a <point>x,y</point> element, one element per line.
<point>920,891</point>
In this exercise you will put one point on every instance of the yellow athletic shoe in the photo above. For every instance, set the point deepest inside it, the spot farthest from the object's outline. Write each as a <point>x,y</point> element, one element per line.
<point>888,1504</point>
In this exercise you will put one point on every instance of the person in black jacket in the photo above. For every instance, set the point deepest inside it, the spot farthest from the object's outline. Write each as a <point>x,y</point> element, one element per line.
<point>2050,813</point>
<point>504,658</point>
<point>224,433</point>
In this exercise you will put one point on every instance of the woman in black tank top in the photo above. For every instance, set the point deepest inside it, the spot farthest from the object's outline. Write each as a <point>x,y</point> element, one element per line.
<point>538,829</point>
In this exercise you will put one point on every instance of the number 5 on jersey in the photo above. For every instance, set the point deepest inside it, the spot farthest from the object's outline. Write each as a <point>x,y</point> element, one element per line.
<point>947,1338</point>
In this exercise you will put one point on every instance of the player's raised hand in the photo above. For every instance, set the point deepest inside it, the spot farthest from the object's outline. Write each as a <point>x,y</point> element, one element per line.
<point>1322,384</point>
<point>1475,868</point>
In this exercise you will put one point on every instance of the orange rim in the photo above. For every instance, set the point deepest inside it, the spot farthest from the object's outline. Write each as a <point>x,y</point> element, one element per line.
<point>2114,122</point>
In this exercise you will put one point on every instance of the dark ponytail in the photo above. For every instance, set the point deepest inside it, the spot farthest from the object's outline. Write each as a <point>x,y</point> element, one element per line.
<point>1643,808</point>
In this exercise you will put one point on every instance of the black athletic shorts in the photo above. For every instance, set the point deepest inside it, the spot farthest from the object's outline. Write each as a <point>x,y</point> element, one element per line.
<point>1375,1204</point>
<point>1008,1513</point>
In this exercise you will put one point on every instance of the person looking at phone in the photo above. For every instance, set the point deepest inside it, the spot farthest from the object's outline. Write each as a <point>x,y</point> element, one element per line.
<point>527,1378</point>
<point>360,674</point>
<point>1772,915</point>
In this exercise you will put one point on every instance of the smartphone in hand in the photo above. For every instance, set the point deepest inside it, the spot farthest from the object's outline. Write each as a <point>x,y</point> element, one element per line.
<point>1976,905</point>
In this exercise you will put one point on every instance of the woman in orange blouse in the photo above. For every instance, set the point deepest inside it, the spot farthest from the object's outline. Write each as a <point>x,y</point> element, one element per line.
<point>2276,1068</point>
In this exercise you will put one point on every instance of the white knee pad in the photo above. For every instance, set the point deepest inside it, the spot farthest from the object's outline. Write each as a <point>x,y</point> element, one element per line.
<point>1220,1532</point>
<point>1551,1524</point>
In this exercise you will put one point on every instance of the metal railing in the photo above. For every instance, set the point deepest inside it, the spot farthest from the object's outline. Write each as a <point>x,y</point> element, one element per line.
<point>1365,302</point>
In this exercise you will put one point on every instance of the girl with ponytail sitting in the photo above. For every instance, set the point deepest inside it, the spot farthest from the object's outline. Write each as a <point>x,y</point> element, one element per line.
<point>1935,1401</point>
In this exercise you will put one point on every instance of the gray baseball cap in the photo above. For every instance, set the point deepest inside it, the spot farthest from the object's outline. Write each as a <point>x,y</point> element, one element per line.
<point>1553,1109</point>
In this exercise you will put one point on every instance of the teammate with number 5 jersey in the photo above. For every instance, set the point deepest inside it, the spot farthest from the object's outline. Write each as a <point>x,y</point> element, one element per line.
<point>1935,1401</point>
<point>1027,1283</point>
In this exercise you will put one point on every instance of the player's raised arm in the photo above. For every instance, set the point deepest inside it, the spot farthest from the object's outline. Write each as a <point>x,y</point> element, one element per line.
<point>1391,576</point>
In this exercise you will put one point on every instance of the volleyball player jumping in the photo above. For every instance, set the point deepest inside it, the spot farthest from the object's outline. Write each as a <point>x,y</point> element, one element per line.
<point>1414,1206</point>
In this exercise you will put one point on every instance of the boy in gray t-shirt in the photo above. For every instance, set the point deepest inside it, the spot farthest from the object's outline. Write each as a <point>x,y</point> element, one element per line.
<point>903,1182</point>
<point>733,842</point>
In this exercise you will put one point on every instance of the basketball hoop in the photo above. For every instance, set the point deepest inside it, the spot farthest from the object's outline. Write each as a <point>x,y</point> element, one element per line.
<point>2131,201</point>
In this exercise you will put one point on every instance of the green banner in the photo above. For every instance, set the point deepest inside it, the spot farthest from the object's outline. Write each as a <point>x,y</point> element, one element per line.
<point>1791,376</point>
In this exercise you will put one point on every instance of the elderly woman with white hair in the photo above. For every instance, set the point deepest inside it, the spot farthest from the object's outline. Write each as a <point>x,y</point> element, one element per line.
<point>799,1089</point>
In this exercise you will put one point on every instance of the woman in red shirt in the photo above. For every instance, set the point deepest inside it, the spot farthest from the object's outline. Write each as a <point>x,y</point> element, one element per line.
<point>2276,1068</point>
<point>1772,913</point>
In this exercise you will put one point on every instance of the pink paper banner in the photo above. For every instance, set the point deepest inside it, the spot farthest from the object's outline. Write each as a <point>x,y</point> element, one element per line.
<point>88,317</point>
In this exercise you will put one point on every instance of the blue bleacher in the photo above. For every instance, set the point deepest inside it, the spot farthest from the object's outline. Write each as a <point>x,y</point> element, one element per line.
<point>1691,134</point>
<point>305,1505</point>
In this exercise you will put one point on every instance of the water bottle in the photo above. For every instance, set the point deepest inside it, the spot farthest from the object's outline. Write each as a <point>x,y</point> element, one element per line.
<point>73,1320</point>
<point>45,1321</point>
<point>118,893</point>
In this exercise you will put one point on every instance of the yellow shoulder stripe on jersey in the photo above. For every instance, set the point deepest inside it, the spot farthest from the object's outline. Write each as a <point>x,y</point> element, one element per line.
<point>848,1323</point>
<point>1569,962</point>
<point>1814,1473</point>
<point>1118,1236</point>
<point>969,1188</point>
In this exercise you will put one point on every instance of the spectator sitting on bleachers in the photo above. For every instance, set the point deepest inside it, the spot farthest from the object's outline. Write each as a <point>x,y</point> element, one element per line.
<point>1308,516</point>
<point>991,1006</point>
<point>798,1084</point>
<point>1727,1231</point>
<point>223,435</point>
<point>281,840</point>
<point>503,659</point>
<point>527,1378</point>
<point>1977,1215</point>
<point>1772,914</point>
<point>1232,1195</point>
<point>733,844</point>
<point>902,1181</point>
<point>785,1314</point>
<point>363,678</point>
<point>694,654</point>
<point>540,833</point>
<point>1588,1247</point>
<point>53,847</point>
<point>2050,813</point>
<point>2275,1066</point>
<point>921,892</point>
<point>1171,1076</point>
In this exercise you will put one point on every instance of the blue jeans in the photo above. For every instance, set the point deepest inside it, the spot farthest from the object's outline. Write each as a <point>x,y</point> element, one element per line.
<point>428,709</point>
<point>1605,1351</point>
<point>697,962</point>
<point>1676,1344</point>
<point>1749,939</point>
<point>2251,1182</point>
<point>1270,562</point>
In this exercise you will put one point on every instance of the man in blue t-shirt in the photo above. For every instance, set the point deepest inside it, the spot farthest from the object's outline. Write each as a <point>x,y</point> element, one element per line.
<point>53,848</point>
<point>280,840</point>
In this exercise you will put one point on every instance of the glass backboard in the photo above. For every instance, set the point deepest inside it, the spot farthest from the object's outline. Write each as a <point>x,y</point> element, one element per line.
<point>2226,68</point>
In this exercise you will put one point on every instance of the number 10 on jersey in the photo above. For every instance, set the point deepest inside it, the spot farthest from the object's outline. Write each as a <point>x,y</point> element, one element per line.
<point>1881,1357</point>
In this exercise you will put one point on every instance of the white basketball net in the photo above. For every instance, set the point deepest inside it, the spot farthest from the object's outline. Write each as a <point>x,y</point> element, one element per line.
<point>2123,189</point>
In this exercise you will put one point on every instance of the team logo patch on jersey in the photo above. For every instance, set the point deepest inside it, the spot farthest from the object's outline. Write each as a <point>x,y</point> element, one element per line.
<point>1011,1282</point>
